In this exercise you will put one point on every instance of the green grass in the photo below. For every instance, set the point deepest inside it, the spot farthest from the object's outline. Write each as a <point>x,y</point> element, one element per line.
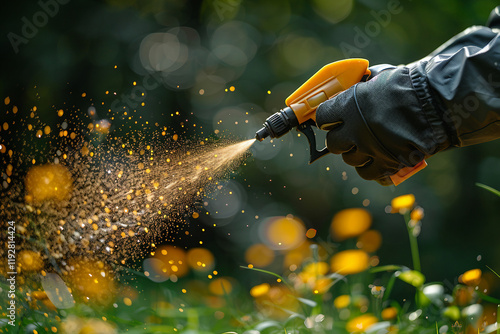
<point>298,301</point>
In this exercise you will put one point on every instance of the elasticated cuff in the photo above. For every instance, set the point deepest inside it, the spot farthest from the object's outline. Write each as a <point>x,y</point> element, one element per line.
<point>442,132</point>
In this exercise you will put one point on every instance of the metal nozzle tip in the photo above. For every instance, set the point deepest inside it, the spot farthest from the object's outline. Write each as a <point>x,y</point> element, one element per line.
<point>261,134</point>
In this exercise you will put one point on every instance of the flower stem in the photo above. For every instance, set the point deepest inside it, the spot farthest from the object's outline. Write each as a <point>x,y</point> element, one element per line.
<point>413,243</point>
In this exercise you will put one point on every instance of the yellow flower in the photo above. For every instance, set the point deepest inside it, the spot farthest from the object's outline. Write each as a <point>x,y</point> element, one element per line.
<point>349,223</point>
<point>342,301</point>
<point>389,313</point>
<point>316,268</point>
<point>471,277</point>
<point>349,262</point>
<point>361,324</point>
<point>259,290</point>
<point>369,241</point>
<point>403,203</point>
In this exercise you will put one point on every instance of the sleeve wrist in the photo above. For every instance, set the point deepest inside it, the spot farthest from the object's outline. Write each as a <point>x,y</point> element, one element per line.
<point>443,133</point>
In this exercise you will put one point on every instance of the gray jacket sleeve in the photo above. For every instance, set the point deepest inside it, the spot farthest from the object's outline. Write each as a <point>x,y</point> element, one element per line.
<point>459,86</point>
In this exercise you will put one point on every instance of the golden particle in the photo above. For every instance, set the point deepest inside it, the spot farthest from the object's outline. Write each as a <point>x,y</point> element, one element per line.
<point>60,112</point>
<point>6,100</point>
<point>5,126</point>
<point>14,109</point>
<point>311,233</point>
<point>46,130</point>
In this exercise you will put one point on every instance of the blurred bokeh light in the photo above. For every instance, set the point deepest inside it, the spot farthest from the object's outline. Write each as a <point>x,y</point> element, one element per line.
<point>283,232</point>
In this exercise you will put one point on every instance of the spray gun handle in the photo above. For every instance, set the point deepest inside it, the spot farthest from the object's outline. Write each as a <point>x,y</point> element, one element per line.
<point>307,130</point>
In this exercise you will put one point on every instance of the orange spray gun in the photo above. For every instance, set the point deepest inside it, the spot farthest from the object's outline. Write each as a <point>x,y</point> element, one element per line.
<point>301,107</point>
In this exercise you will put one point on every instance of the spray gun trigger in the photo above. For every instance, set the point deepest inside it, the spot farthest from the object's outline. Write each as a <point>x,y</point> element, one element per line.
<point>307,130</point>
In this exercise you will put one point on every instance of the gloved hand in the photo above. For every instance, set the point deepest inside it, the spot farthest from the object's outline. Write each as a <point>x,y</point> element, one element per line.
<point>379,126</point>
<point>406,114</point>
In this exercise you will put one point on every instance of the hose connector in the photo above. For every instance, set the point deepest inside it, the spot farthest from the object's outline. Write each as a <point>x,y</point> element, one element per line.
<point>277,124</point>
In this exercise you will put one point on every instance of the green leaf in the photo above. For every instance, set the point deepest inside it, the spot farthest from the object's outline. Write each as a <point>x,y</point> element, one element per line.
<point>488,298</point>
<point>308,302</point>
<point>490,189</point>
<point>293,317</point>
<point>452,312</point>
<point>336,277</point>
<point>267,324</point>
<point>413,277</point>
<point>390,267</point>
<point>269,273</point>
<point>494,272</point>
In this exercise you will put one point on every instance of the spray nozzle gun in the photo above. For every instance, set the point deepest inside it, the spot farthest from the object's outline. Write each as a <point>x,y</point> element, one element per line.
<point>301,107</point>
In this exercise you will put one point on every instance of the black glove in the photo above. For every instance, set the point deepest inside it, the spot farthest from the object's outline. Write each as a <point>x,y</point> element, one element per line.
<point>379,126</point>
<point>406,114</point>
